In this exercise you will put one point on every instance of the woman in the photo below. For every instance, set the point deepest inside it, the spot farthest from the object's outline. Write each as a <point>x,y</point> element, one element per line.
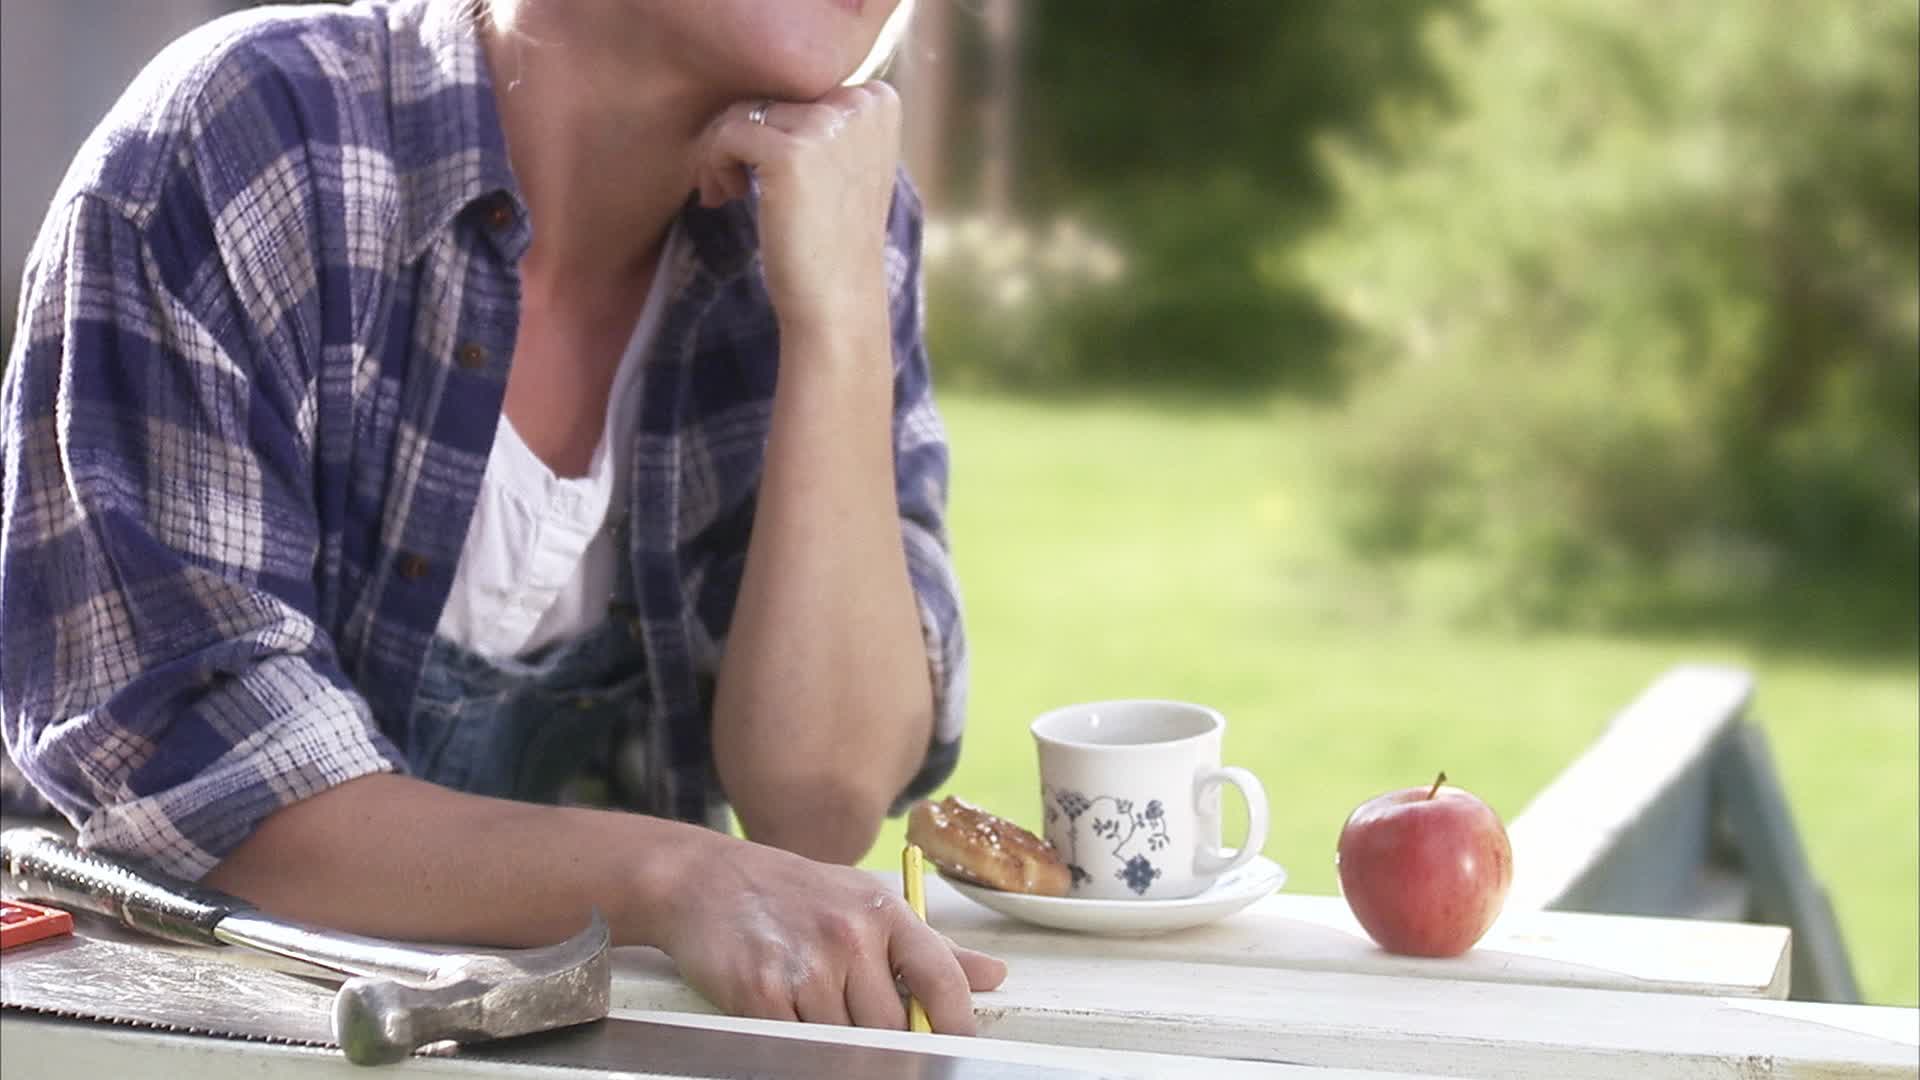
<point>395,459</point>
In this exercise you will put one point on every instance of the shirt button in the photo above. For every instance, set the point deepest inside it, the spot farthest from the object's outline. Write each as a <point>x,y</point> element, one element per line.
<point>413,567</point>
<point>471,356</point>
<point>500,214</point>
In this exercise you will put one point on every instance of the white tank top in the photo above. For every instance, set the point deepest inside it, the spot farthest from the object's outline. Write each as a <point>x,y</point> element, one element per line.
<point>541,554</point>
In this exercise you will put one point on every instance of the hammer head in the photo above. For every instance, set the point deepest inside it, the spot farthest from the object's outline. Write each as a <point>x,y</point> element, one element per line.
<point>474,997</point>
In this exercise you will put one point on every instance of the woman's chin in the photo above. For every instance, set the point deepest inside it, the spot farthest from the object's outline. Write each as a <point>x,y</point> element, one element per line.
<point>810,87</point>
<point>808,76</point>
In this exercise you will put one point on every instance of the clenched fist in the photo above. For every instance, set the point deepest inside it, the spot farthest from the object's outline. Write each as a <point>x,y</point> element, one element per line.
<point>825,175</point>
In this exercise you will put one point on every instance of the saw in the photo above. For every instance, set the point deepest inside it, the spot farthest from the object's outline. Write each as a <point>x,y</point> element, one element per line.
<point>397,998</point>
<point>164,989</point>
<point>183,992</point>
<point>543,1007</point>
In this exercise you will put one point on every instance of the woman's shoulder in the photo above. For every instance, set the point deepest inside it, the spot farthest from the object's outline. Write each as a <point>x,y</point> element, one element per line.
<point>249,96</point>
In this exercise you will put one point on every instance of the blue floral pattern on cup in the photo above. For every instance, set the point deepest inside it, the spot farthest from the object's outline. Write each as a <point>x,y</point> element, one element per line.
<point>1121,827</point>
<point>1138,874</point>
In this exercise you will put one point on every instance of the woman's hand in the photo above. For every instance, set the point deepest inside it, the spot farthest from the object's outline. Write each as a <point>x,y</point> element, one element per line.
<point>765,933</point>
<point>825,174</point>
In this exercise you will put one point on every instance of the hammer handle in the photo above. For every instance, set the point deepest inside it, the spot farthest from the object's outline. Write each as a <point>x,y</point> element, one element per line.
<point>38,865</point>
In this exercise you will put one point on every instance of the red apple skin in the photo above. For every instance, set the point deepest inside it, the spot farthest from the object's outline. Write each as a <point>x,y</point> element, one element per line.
<point>1425,876</point>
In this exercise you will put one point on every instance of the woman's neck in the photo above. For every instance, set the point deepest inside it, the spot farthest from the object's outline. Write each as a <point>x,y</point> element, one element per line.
<point>602,139</point>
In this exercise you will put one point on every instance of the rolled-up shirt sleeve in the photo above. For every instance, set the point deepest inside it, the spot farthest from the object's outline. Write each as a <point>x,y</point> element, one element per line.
<point>164,681</point>
<point>921,467</point>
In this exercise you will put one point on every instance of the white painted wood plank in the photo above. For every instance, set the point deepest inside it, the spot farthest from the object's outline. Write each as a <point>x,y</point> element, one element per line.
<point>1318,933</point>
<point>1109,1062</point>
<point>1381,1022</point>
<point>33,1047</point>
<point>1785,888</point>
<point>1721,894</point>
<point>1659,743</point>
<point>1894,1025</point>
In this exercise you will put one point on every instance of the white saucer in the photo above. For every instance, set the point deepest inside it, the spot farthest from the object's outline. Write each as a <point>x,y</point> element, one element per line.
<point>1133,918</point>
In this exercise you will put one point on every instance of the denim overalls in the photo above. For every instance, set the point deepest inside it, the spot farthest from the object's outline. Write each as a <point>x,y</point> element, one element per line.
<point>555,728</point>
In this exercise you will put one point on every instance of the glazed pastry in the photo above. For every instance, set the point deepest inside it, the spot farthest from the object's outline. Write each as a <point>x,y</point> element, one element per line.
<point>968,842</point>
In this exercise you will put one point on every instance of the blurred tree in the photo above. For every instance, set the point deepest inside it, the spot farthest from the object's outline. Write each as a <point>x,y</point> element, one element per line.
<point>1185,136</point>
<point>923,72</point>
<point>1647,299</point>
<point>998,126</point>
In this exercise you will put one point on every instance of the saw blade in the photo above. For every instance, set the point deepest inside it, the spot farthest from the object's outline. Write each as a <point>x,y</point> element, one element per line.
<point>620,1045</point>
<point>194,992</point>
<point>165,990</point>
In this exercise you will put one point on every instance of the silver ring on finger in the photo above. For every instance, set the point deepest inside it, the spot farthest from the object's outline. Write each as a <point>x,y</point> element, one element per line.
<point>758,114</point>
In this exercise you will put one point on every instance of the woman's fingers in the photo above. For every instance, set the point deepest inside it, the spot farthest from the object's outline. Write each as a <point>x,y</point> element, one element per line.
<point>798,940</point>
<point>822,117</point>
<point>873,998</point>
<point>732,149</point>
<point>932,972</point>
<point>720,184</point>
<point>765,993</point>
<point>824,175</point>
<point>941,974</point>
<point>821,998</point>
<point>983,972</point>
<point>736,142</point>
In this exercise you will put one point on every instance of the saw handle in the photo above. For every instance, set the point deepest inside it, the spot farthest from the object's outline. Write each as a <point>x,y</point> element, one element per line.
<point>37,865</point>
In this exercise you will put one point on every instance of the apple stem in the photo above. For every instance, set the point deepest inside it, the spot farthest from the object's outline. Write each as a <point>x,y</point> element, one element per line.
<point>1437,781</point>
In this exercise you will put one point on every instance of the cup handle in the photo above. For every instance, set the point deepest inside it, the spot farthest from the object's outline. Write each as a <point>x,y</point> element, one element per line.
<point>1215,863</point>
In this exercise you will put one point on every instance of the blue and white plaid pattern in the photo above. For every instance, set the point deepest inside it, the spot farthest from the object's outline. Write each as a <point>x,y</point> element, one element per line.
<point>263,345</point>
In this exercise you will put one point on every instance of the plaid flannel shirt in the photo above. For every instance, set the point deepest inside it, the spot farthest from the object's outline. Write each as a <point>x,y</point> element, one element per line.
<point>263,342</point>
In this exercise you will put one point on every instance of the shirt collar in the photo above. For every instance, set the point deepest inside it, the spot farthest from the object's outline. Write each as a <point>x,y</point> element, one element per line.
<point>449,149</point>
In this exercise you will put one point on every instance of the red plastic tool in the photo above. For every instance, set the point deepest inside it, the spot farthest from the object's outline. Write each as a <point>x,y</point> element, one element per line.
<point>21,922</point>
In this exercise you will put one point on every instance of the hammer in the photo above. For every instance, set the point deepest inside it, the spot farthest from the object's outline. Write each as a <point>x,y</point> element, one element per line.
<point>400,997</point>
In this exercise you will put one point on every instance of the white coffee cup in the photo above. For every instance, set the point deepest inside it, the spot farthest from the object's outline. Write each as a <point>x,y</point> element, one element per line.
<point>1130,793</point>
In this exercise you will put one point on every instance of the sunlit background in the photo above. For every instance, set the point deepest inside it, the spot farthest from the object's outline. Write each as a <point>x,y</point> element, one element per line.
<point>1416,382</point>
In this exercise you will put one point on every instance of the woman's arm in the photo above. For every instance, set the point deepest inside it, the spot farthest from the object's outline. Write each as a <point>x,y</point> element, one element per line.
<point>399,857</point>
<point>759,931</point>
<point>824,708</point>
<point>166,681</point>
<point>825,705</point>
<point>165,685</point>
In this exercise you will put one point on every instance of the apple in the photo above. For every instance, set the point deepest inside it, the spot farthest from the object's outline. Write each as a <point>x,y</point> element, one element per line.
<point>1425,869</point>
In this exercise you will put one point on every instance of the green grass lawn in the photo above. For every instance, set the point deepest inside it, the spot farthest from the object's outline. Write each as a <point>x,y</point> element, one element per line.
<point>1122,550</point>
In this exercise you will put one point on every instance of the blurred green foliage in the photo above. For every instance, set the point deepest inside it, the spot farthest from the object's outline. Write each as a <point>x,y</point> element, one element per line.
<point>1186,137</point>
<point>1621,299</point>
<point>1642,305</point>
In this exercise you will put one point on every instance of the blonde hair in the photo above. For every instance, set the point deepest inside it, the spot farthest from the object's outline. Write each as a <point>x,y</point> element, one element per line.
<point>885,46</point>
